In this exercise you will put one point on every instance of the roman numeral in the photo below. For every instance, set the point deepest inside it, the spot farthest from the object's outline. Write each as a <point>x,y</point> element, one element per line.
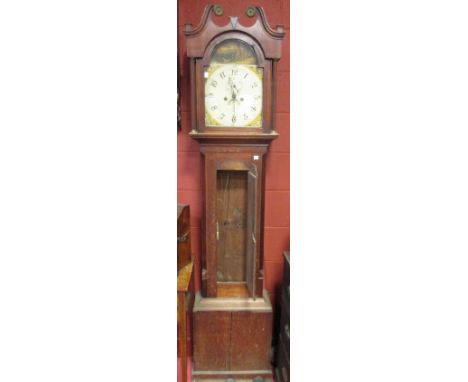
<point>222,75</point>
<point>246,74</point>
<point>214,83</point>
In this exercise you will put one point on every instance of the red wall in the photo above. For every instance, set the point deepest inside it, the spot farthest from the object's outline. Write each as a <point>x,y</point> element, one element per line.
<point>189,171</point>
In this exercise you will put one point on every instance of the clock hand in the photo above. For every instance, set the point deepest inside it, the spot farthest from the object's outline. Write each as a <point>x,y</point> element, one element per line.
<point>233,93</point>
<point>234,104</point>
<point>237,90</point>
<point>234,107</point>
<point>233,99</point>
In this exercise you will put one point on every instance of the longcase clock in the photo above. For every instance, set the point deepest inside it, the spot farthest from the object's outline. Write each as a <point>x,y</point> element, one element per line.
<point>233,92</point>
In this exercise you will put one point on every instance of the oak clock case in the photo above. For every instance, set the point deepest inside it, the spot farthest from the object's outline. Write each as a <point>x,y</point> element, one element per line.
<point>233,82</point>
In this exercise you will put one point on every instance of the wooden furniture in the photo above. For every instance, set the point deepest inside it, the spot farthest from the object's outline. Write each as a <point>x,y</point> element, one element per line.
<point>282,352</point>
<point>183,305</point>
<point>183,236</point>
<point>184,279</point>
<point>233,83</point>
<point>232,337</point>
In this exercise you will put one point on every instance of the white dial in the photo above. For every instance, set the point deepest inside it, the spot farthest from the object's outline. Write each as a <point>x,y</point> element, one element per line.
<point>233,96</point>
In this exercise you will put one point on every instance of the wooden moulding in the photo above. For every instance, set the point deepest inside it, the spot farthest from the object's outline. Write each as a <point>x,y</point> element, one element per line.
<point>232,304</point>
<point>239,376</point>
<point>250,148</point>
<point>234,138</point>
<point>269,38</point>
<point>266,43</point>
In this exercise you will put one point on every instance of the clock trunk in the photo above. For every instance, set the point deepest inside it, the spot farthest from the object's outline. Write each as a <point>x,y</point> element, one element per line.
<point>234,177</point>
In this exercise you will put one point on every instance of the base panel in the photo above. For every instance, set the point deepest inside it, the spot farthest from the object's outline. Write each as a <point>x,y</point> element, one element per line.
<point>232,339</point>
<point>224,380</point>
<point>244,376</point>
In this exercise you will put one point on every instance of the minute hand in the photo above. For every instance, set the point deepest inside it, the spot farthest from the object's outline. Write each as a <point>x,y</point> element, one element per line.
<point>233,100</point>
<point>234,107</point>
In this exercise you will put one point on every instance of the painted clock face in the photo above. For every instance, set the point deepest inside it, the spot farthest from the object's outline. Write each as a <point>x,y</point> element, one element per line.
<point>233,95</point>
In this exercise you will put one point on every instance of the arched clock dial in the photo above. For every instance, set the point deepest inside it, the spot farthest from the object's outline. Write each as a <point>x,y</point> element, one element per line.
<point>233,95</point>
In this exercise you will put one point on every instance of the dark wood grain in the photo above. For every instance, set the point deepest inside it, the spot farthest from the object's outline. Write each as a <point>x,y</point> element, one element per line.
<point>183,236</point>
<point>250,340</point>
<point>212,334</point>
<point>232,337</point>
<point>231,217</point>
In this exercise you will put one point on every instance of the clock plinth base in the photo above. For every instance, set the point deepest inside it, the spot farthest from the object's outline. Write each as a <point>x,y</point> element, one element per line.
<point>232,338</point>
<point>220,377</point>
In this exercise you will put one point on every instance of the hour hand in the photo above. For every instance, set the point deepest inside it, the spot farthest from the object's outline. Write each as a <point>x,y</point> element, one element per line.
<point>236,88</point>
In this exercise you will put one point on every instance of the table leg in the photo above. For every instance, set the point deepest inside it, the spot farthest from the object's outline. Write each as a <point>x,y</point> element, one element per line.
<point>182,334</point>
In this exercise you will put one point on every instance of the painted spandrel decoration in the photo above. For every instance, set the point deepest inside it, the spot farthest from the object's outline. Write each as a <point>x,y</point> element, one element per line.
<point>233,87</point>
<point>233,52</point>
